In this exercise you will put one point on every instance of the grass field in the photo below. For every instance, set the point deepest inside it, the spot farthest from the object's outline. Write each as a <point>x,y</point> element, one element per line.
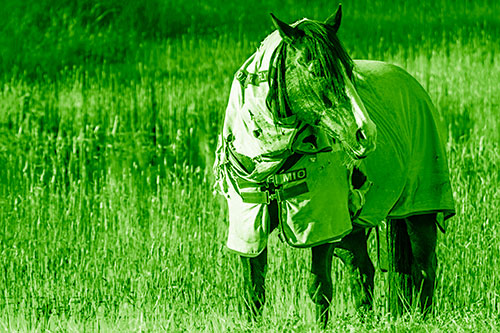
<point>109,113</point>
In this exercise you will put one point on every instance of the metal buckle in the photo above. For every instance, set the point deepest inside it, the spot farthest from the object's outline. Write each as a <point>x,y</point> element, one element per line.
<point>268,197</point>
<point>277,195</point>
<point>273,196</point>
<point>241,76</point>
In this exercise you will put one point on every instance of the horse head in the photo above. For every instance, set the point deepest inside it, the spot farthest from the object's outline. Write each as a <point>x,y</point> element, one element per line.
<point>318,79</point>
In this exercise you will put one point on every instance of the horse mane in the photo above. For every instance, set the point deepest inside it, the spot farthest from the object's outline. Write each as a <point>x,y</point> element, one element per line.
<point>323,44</point>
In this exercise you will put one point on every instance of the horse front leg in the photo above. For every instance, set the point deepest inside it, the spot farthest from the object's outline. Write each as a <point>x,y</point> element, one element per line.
<point>255,270</point>
<point>353,252</point>
<point>254,276</point>
<point>320,284</point>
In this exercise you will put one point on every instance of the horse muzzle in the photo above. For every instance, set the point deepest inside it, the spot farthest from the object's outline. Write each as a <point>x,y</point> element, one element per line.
<point>365,140</point>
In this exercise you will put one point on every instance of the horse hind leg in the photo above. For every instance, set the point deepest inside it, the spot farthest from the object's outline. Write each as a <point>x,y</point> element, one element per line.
<point>320,283</point>
<point>412,248</point>
<point>422,232</point>
<point>400,263</point>
<point>352,250</point>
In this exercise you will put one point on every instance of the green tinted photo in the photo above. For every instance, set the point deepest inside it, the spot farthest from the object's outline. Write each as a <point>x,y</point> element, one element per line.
<point>270,166</point>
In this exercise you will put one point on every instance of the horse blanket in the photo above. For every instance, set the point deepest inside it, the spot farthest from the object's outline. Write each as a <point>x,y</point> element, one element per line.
<point>253,166</point>
<point>408,170</point>
<point>409,167</point>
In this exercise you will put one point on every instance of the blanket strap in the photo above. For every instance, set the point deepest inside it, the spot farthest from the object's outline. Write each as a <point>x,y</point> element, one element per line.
<point>246,78</point>
<point>378,249</point>
<point>280,194</point>
<point>273,188</point>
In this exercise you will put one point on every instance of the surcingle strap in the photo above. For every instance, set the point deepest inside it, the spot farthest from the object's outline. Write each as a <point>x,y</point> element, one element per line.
<point>254,79</point>
<point>280,194</point>
<point>280,186</point>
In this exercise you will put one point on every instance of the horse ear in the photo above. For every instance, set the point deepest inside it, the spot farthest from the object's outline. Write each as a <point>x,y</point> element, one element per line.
<point>334,19</point>
<point>287,32</point>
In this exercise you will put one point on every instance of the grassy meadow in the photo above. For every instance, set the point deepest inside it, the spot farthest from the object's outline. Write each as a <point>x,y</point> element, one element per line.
<point>109,112</point>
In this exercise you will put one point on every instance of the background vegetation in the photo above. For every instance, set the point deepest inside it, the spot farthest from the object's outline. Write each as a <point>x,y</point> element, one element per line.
<point>108,116</point>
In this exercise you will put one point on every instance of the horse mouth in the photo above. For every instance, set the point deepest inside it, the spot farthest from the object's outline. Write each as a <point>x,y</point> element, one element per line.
<point>357,154</point>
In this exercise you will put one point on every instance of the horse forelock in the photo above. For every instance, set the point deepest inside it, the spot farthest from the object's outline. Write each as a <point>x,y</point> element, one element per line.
<point>322,42</point>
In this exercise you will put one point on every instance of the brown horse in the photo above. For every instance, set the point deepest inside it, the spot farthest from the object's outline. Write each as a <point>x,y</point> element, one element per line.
<point>312,83</point>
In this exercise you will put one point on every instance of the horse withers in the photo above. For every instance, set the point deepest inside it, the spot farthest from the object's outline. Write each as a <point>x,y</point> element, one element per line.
<point>323,147</point>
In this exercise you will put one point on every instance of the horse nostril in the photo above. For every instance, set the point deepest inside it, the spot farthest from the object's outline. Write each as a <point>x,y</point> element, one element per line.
<point>360,135</point>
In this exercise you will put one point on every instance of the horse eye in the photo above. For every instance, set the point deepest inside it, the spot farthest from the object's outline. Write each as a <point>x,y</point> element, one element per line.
<point>304,58</point>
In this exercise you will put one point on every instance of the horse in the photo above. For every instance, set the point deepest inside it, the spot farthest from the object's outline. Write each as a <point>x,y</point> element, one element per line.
<point>364,134</point>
